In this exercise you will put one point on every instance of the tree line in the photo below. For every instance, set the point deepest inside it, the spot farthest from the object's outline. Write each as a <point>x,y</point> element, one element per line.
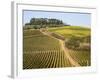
<point>45,22</point>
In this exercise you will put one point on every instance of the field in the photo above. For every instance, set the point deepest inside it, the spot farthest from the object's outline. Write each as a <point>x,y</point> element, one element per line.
<point>45,59</point>
<point>70,31</point>
<point>41,49</point>
<point>34,40</point>
<point>83,57</point>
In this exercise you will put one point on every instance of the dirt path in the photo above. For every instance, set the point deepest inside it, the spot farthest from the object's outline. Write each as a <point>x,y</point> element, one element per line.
<point>72,61</point>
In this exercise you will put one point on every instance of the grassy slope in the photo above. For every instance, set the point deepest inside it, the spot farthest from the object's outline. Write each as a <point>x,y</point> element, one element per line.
<point>69,31</point>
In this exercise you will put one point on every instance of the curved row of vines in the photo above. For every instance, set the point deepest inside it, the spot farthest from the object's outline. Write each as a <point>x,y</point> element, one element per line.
<point>45,59</point>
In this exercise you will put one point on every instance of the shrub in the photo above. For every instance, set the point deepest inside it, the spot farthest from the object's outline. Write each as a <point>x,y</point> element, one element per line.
<point>77,43</point>
<point>37,27</point>
<point>87,39</point>
<point>72,43</point>
<point>85,46</point>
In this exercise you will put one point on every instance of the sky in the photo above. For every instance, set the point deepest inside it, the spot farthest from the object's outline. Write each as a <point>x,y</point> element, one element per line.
<point>72,18</point>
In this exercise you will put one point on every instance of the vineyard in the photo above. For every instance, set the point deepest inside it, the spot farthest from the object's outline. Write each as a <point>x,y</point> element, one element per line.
<point>66,46</point>
<point>82,57</point>
<point>45,59</point>
<point>36,41</point>
<point>41,51</point>
<point>74,34</point>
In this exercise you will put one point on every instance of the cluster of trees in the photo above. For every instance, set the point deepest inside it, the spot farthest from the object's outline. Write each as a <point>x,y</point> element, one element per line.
<point>78,43</point>
<point>45,22</point>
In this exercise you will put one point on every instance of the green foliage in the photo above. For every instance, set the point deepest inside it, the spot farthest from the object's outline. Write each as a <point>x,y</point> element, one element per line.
<point>87,39</point>
<point>72,43</point>
<point>37,27</point>
<point>44,22</point>
<point>79,43</point>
